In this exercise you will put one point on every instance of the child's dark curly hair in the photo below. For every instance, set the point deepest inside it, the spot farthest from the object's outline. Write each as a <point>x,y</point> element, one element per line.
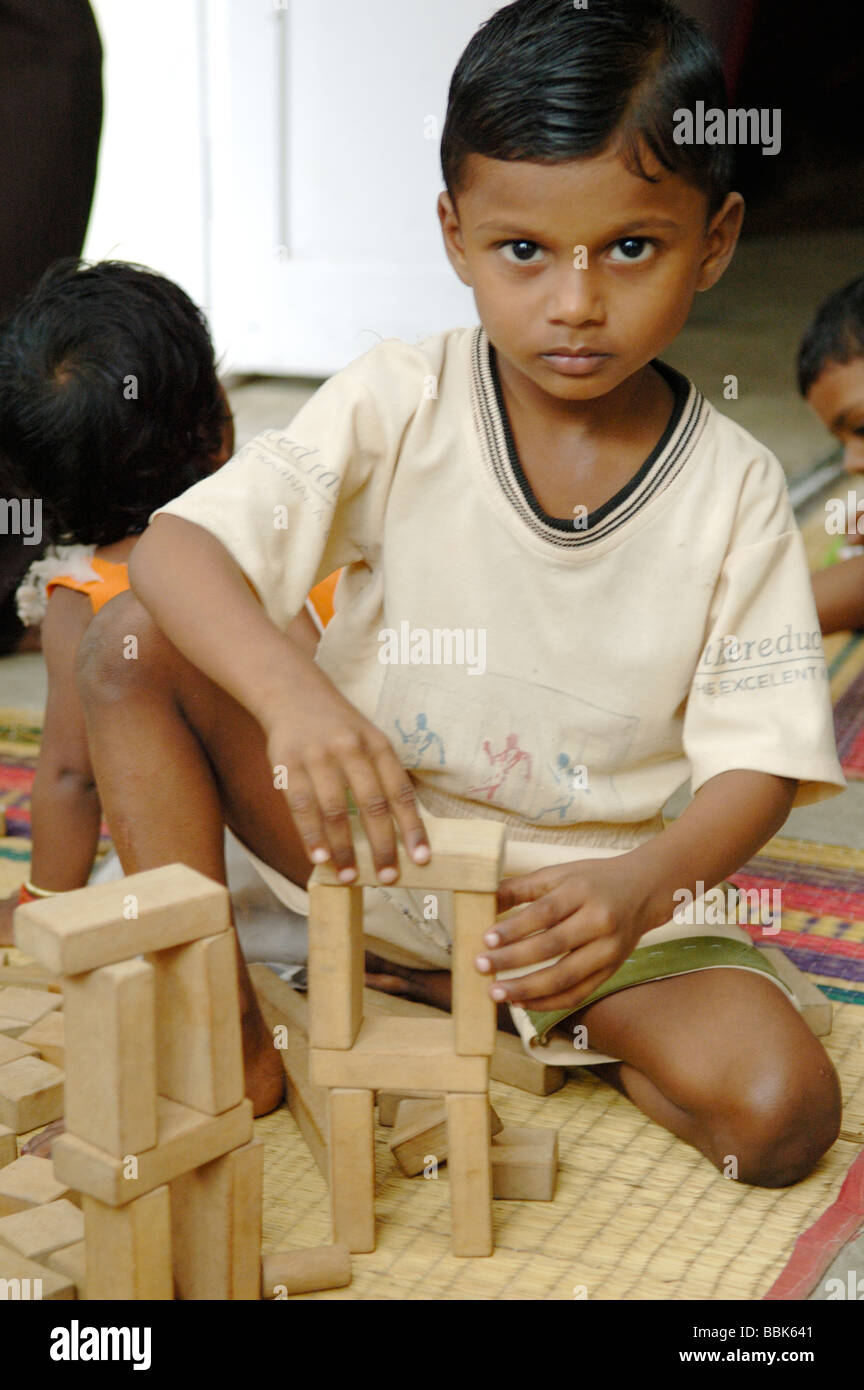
<point>109,400</point>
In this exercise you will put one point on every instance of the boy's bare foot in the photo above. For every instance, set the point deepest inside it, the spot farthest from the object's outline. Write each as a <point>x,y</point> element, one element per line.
<point>262,1064</point>
<point>423,986</point>
<point>40,1145</point>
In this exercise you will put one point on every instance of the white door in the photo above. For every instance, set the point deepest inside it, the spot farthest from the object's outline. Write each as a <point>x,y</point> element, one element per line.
<point>324,125</point>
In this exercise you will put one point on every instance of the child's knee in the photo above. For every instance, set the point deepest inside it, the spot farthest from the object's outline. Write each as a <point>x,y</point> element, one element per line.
<point>774,1131</point>
<point>117,652</point>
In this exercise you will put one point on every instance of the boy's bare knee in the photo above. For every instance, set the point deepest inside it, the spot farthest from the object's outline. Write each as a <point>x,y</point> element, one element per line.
<point>774,1134</point>
<point>117,650</point>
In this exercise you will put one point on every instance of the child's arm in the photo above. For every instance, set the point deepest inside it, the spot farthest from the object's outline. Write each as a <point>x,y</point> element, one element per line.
<point>597,910</point>
<point>65,811</point>
<point>839,591</point>
<point>205,605</point>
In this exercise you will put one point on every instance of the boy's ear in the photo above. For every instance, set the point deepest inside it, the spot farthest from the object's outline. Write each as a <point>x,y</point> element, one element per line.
<point>721,240</point>
<point>452,234</point>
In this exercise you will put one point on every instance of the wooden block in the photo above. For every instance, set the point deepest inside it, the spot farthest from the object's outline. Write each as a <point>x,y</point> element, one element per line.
<point>128,1248</point>
<point>421,1132</point>
<point>816,1008</point>
<point>388,1103</point>
<point>71,1260</point>
<point>470,1167</point>
<point>335,965</point>
<point>24,1279</point>
<point>466,854</point>
<point>8,1146</point>
<point>401,1054</point>
<point>216,1227</point>
<point>286,1272</point>
<point>12,1027</point>
<point>31,975</point>
<point>185,1139</point>
<point>47,1038</point>
<point>29,1005</point>
<point>42,1230</point>
<point>198,1046</point>
<point>30,1182</point>
<point>285,1013</point>
<point>111,1057</point>
<point>13,1049</point>
<point>475,1014</point>
<point>95,926</point>
<point>525,1164</point>
<point>510,1062</point>
<point>31,1094</point>
<point>352,1169</point>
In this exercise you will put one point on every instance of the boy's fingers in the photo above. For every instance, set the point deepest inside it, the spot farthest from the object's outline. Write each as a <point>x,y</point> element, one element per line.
<point>570,998</point>
<point>527,888</point>
<point>542,914</point>
<point>568,974</point>
<point>376,814</point>
<point>403,802</point>
<point>328,783</point>
<point>305,812</point>
<point>566,935</point>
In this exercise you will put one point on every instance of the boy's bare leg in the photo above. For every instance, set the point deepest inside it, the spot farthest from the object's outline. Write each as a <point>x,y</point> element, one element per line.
<point>175,758</point>
<point>724,1061</point>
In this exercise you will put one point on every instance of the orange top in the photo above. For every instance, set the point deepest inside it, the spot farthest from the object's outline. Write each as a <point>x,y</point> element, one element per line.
<point>114,579</point>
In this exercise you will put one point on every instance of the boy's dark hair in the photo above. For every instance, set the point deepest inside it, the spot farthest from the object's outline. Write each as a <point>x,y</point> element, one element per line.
<point>546,82</point>
<point>109,400</point>
<point>835,335</point>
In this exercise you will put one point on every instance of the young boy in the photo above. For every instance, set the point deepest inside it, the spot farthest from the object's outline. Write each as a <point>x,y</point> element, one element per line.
<point>533,484</point>
<point>831,380</point>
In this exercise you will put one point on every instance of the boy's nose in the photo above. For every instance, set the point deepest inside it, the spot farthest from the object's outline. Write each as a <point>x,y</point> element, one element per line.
<point>576,299</point>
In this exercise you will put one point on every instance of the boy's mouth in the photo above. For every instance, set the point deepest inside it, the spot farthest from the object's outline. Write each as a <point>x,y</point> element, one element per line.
<point>580,361</point>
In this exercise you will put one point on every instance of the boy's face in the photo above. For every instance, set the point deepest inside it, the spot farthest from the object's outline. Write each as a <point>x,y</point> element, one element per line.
<point>513,237</point>
<point>837,396</point>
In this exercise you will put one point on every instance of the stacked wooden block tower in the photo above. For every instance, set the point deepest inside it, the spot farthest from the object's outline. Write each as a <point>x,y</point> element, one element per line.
<point>159,1134</point>
<point>355,1056</point>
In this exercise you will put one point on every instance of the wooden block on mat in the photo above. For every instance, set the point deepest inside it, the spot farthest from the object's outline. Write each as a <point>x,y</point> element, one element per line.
<point>525,1164</point>
<point>30,1182</point>
<point>474,1013</point>
<point>335,965</point>
<point>128,1248</point>
<point>31,1280</point>
<point>111,1057</point>
<point>31,1094</point>
<point>198,1045</point>
<point>352,1169</point>
<point>91,927</point>
<point>71,1261</point>
<point>466,854</point>
<point>388,1103</point>
<point>216,1227</point>
<point>287,1272</point>
<point>470,1168</point>
<point>185,1139</point>
<point>816,1008</point>
<point>13,1049</point>
<point>400,1054</point>
<point>12,1027</point>
<point>41,1230</point>
<point>510,1062</point>
<point>421,1131</point>
<point>29,974</point>
<point>47,1037</point>
<point>282,1007</point>
<point>8,1146</point>
<point>27,1004</point>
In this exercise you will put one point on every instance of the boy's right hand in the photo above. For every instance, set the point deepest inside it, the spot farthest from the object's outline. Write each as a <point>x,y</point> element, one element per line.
<point>320,746</point>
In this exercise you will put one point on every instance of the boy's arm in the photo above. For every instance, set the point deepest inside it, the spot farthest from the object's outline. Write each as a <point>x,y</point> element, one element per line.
<point>839,592</point>
<point>596,910</point>
<point>208,608</point>
<point>64,811</point>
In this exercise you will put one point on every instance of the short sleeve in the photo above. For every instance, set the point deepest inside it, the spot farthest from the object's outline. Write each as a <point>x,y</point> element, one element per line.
<point>296,504</point>
<point>760,699</point>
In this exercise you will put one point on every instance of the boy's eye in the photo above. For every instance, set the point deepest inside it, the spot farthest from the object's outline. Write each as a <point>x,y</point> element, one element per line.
<point>633,248</point>
<point>523,251</point>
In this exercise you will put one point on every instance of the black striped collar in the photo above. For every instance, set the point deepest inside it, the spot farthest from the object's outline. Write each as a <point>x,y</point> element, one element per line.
<point>665,461</point>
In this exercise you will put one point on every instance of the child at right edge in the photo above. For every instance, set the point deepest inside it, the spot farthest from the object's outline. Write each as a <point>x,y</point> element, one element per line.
<point>627,554</point>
